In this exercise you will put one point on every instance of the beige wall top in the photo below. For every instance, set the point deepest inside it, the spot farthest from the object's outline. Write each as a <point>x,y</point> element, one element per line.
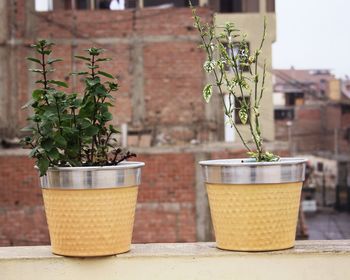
<point>321,260</point>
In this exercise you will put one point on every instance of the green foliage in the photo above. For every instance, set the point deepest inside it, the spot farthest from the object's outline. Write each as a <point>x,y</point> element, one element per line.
<point>71,129</point>
<point>235,71</point>
<point>207,92</point>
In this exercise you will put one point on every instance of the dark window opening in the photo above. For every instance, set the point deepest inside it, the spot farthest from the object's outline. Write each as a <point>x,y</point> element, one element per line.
<point>270,6</point>
<point>239,6</point>
<point>238,101</point>
<point>320,166</point>
<point>284,114</point>
<point>102,4</point>
<point>96,4</point>
<point>345,109</point>
<point>82,4</point>
<point>294,98</point>
<point>174,3</point>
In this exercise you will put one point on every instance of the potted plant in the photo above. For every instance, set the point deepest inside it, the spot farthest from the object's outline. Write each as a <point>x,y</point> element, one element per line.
<point>254,201</point>
<point>89,189</point>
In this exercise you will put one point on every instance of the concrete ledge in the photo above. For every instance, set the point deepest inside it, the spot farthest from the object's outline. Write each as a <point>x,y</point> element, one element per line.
<point>308,260</point>
<point>186,148</point>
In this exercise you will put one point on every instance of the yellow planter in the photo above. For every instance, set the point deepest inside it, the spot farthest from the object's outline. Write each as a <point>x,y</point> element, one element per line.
<point>90,210</point>
<point>254,206</point>
<point>254,217</point>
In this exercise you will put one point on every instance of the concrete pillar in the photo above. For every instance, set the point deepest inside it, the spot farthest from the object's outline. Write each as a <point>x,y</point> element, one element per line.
<point>203,3</point>
<point>203,219</point>
<point>30,19</point>
<point>4,33</point>
<point>262,7</point>
<point>137,84</point>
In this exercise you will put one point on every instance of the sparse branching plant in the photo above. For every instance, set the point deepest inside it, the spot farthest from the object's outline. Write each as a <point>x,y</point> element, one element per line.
<point>71,129</point>
<point>234,68</point>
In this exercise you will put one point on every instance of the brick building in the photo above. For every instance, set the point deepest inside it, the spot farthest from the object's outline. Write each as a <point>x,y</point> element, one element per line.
<point>156,54</point>
<point>312,113</point>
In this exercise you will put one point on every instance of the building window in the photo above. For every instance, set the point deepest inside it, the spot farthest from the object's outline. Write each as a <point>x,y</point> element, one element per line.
<point>239,6</point>
<point>294,98</point>
<point>166,3</point>
<point>284,114</point>
<point>345,109</point>
<point>270,6</point>
<point>100,4</point>
<point>43,5</point>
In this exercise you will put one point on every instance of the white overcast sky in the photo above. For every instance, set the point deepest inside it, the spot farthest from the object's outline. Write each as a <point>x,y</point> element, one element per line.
<point>313,34</point>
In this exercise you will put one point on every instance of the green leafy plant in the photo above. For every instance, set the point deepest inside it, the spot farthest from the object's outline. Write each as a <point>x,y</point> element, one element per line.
<point>71,129</point>
<point>235,71</point>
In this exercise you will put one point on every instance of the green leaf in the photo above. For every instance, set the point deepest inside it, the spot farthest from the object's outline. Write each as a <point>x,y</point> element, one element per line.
<point>92,82</point>
<point>34,59</point>
<point>33,152</point>
<point>105,74</point>
<point>47,52</point>
<point>58,83</point>
<point>93,67</point>
<point>36,70</point>
<point>47,144</point>
<point>43,164</point>
<point>60,141</point>
<point>103,59</point>
<point>113,129</point>
<point>91,130</point>
<point>54,154</point>
<point>107,116</point>
<point>85,123</point>
<point>50,61</point>
<point>95,51</point>
<point>209,66</point>
<point>83,57</point>
<point>38,94</point>
<point>80,73</point>
<point>243,115</point>
<point>207,92</point>
<point>27,128</point>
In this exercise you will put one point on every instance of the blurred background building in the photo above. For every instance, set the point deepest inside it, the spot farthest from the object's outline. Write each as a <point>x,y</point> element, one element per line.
<point>155,52</point>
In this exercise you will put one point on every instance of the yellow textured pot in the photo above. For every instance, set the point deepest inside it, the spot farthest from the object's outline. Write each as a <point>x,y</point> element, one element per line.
<point>254,206</point>
<point>90,210</point>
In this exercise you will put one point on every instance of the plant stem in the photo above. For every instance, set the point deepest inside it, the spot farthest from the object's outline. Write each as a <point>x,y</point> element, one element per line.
<point>95,111</point>
<point>218,82</point>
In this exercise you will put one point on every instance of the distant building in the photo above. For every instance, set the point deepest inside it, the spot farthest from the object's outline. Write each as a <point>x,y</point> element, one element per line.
<point>312,112</point>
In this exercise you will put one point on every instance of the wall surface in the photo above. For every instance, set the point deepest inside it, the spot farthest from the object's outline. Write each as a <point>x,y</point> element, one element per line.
<point>155,54</point>
<point>317,128</point>
<point>321,260</point>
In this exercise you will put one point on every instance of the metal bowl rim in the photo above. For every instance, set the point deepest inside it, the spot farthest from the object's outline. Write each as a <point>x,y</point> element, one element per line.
<point>120,166</point>
<point>244,162</point>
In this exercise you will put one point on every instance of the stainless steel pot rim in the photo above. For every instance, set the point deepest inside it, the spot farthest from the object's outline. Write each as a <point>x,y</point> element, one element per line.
<point>126,174</point>
<point>122,165</point>
<point>251,162</point>
<point>234,171</point>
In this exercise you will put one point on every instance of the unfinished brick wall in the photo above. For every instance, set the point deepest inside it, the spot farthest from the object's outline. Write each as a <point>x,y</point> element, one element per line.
<point>315,127</point>
<point>155,53</point>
